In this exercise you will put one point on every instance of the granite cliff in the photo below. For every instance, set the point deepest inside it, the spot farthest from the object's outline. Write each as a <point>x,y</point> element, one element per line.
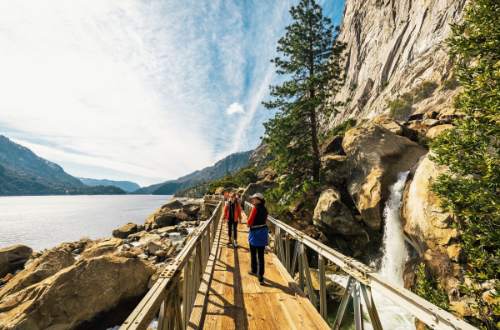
<point>392,47</point>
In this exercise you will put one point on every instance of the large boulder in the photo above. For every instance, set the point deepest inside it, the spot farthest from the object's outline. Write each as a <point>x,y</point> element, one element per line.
<point>332,216</point>
<point>125,230</point>
<point>103,247</point>
<point>75,294</point>
<point>49,263</point>
<point>173,204</point>
<point>13,258</point>
<point>430,228</point>
<point>388,123</point>
<point>335,168</point>
<point>376,157</point>
<point>192,207</point>
<point>425,222</point>
<point>165,217</point>
<point>435,131</point>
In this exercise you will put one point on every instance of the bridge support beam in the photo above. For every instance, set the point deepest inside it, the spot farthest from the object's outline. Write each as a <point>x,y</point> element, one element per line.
<point>343,304</point>
<point>370,306</point>
<point>322,287</point>
<point>307,276</point>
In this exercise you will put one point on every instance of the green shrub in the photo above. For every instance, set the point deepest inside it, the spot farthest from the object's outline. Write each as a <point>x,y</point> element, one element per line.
<point>424,90</point>
<point>450,84</point>
<point>426,287</point>
<point>471,151</point>
<point>400,108</point>
<point>339,129</point>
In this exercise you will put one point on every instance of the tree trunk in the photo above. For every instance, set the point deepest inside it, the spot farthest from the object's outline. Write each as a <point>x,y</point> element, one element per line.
<point>314,137</point>
<point>312,112</point>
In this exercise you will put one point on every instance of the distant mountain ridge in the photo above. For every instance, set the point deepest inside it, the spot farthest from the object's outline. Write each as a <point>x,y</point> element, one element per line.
<point>225,166</point>
<point>127,186</point>
<point>22,172</point>
<point>28,165</point>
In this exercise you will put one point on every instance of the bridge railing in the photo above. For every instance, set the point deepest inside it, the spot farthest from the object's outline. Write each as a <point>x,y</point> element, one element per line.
<point>290,246</point>
<point>171,300</point>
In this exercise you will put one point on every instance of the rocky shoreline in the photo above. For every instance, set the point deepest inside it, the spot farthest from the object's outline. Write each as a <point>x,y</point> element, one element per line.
<point>77,282</point>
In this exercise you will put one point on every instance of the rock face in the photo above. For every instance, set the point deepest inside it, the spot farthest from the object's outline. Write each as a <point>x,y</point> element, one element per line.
<point>13,257</point>
<point>67,298</point>
<point>332,216</point>
<point>430,228</point>
<point>392,46</point>
<point>425,222</point>
<point>376,156</point>
<point>39,269</point>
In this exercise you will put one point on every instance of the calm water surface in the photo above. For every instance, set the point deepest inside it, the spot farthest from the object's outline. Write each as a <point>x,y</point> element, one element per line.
<point>45,221</point>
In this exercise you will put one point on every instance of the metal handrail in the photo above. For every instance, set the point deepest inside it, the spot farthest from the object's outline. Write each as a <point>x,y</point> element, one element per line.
<point>164,298</point>
<point>362,277</point>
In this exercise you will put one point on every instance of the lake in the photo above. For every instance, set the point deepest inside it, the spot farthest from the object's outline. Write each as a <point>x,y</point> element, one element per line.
<point>45,221</point>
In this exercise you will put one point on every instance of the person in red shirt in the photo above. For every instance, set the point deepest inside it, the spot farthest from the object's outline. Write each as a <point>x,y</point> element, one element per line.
<point>258,236</point>
<point>232,214</point>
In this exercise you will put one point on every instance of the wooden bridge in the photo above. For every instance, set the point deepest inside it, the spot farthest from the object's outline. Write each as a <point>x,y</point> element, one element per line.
<point>207,286</point>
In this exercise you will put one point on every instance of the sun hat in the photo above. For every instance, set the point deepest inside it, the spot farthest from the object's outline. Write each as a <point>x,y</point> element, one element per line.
<point>258,196</point>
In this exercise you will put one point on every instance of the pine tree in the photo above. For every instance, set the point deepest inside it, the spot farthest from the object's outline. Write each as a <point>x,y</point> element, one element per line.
<point>310,62</point>
<point>472,152</point>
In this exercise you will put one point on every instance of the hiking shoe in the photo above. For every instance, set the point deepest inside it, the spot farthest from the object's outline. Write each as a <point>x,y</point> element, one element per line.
<point>261,279</point>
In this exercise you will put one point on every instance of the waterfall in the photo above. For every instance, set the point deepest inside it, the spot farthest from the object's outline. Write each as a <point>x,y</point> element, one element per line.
<point>394,257</point>
<point>394,249</point>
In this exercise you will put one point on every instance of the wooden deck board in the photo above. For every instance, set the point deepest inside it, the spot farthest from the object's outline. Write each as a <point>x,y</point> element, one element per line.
<point>234,299</point>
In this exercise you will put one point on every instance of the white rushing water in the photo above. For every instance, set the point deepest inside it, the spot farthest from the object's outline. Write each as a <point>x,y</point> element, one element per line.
<point>395,252</point>
<point>395,255</point>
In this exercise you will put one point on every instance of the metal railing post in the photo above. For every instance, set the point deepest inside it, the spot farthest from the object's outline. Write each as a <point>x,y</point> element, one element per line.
<point>322,287</point>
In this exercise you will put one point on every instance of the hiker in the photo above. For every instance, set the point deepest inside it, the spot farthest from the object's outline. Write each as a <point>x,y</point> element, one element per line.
<point>258,235</point>
<point>232,214</point>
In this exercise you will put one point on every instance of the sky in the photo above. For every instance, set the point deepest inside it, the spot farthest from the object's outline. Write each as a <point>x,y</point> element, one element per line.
<point>140,90</point>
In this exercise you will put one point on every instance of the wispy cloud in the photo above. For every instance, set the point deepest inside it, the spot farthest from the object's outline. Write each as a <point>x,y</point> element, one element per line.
<point>133,89</point>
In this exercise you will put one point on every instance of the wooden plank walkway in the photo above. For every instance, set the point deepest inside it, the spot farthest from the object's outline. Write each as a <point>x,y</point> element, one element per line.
<point>230,298</point>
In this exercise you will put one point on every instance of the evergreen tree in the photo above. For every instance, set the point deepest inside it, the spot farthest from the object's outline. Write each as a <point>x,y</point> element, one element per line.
<point>309,60</point>
<point>472,152</point>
